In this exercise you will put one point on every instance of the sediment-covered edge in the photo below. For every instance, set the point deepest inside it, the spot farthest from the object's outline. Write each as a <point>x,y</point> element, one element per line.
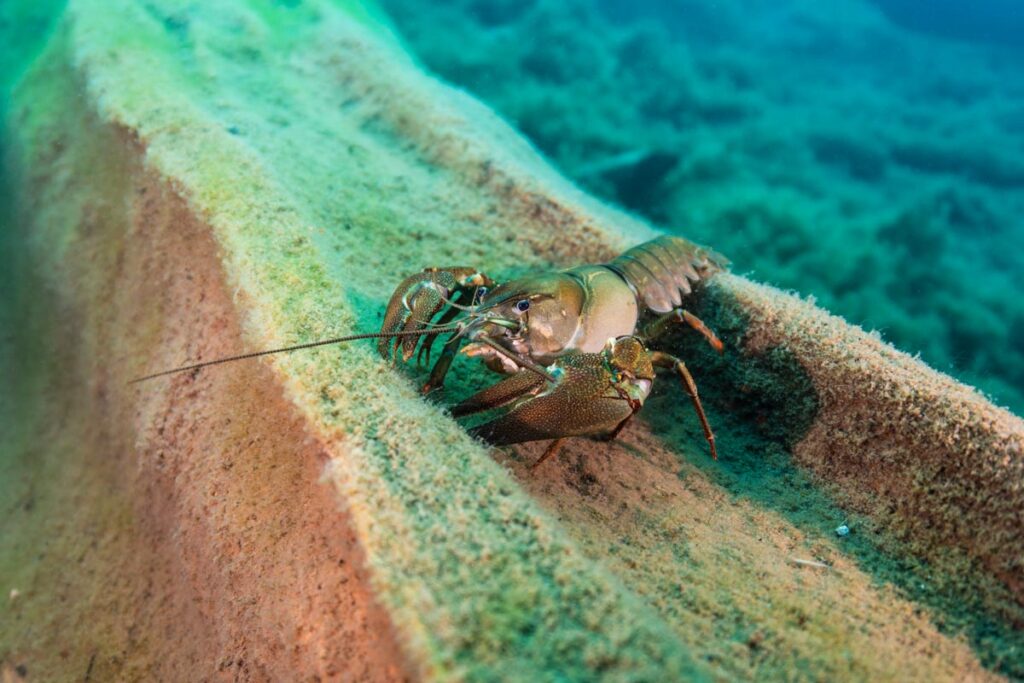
<point>931,457</point>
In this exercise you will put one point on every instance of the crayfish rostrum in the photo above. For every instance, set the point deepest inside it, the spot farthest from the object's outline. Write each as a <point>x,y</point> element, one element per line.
<point>572,342</point>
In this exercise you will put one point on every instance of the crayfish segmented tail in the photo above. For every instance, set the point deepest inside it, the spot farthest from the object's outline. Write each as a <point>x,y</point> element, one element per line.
<point>665,270</point>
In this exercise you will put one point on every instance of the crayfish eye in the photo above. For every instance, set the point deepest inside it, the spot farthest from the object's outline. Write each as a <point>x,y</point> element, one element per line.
<point>481,292</point>
<point>523,305</point>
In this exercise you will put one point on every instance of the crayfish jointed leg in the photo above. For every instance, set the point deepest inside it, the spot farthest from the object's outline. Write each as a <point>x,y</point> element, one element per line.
<point>681,315</point>
<point>551,450</point>
<point>665,360</point>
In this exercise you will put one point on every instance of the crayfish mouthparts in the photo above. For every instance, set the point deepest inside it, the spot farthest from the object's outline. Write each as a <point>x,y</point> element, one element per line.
<point>494,360</point>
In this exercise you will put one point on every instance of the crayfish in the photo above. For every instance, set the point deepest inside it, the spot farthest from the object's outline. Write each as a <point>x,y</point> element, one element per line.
<point>573,343</point>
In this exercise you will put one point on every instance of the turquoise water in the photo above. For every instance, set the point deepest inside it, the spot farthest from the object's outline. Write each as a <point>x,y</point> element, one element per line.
<point>869,154</point>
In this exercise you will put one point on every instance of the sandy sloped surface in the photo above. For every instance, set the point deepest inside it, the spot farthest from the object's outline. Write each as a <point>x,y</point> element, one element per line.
<point>180,533</point>
<point>191,183</point>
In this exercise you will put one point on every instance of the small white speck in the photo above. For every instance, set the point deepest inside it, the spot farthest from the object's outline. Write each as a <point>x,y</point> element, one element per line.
<point>14,594</point>
<point>842,530</point>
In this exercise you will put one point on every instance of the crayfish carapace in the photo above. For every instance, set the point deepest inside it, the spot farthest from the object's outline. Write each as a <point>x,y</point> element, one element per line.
<point>574,342</point>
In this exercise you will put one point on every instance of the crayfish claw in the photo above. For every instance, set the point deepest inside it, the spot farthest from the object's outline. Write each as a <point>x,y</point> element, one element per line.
<point>417,300</point>
<point>588,397</point>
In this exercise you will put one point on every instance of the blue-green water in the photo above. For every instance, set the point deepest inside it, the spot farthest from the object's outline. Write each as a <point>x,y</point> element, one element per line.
<point>870,154</point>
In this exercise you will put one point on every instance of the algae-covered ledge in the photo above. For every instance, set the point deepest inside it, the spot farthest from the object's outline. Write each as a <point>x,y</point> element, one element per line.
<point>312,165</point>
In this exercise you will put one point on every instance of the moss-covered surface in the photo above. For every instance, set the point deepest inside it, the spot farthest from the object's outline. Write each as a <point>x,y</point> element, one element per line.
<point>765,402</point>
<point>143,548</point>
<point>194,176</point>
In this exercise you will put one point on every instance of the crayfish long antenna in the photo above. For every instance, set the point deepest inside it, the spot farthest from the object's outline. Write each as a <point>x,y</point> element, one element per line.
<point>297,347</point>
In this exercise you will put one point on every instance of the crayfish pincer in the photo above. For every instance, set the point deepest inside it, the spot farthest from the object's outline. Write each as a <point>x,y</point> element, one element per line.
<point>573,342</point>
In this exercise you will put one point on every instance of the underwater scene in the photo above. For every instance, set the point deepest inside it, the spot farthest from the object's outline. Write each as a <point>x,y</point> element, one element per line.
<point>511,340</point>
<point>868,154</point>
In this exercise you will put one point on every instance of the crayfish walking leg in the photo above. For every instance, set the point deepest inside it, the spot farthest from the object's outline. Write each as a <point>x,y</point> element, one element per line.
<point>680,315</point>
<point>664,360</point>
<point>551,450</point>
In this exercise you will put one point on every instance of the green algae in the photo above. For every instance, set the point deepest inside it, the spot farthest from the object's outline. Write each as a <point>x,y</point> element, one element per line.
<point>24,26</point>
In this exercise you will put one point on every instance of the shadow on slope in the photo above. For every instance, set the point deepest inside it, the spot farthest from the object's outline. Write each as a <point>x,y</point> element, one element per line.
<point>760,406</point>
